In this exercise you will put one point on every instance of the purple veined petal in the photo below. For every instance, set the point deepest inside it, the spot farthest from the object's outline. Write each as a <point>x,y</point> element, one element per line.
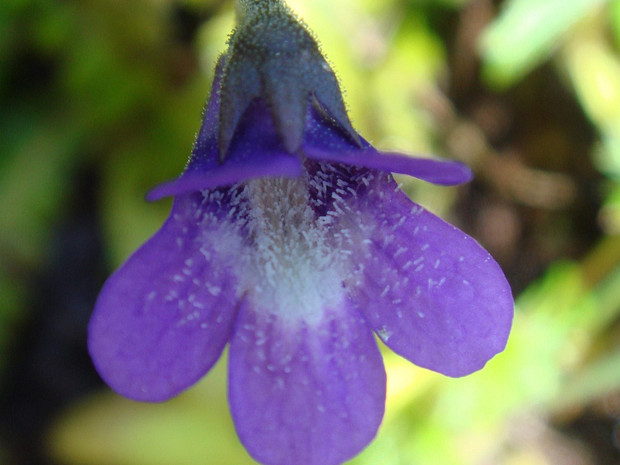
<point>255,151</point>
<point>326,141</point>
<point>430,291</point>
<point>303,394</point>
<point>163,318</point>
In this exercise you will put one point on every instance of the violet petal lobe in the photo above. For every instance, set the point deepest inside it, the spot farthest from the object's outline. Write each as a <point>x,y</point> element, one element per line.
<point>255,152</point>
<point>163,318</point>
<point>325,140</point>
<point>305,394</point>
<point>430,291</point>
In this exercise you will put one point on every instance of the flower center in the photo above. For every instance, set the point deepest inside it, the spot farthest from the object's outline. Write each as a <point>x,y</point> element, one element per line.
<point>293,271</point>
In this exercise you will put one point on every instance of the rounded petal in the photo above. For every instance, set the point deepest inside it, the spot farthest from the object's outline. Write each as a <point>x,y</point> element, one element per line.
<point>326,141</point>
<point>305,394</point>
<point>163,318</point>
<point>430,291</point>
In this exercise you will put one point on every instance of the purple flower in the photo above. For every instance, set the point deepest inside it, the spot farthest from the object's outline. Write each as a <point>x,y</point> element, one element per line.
<point>294,252</point>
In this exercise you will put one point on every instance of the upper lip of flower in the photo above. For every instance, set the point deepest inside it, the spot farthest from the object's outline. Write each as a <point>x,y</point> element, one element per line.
<point>323,139</point>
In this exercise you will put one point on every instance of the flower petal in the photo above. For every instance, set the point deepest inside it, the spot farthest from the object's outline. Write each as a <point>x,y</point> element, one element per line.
<point>164,317</point>
<point>305,394</point>
<point>325,140</point>
<point>239,166</point>
<point>436,171</point>
<point>430,291</point>
<point>255,152</point>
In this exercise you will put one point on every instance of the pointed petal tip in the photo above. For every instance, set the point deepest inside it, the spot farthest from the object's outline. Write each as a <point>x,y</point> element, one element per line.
<point>434,170</point>
<point>466,174</point>
<point>236,169</point>
<point>331,138</point>
<point>159,192</point>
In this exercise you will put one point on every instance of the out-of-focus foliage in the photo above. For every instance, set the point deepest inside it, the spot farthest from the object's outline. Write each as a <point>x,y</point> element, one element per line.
<point>101,101</point>
<point>528,31</point>
<point>152,434</point>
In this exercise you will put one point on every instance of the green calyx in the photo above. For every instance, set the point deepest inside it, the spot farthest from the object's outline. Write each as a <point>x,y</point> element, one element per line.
<point>273,56</point>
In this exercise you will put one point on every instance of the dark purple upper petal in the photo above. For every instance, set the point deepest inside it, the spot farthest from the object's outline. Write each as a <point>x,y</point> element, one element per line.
<point>430,291</point>
<point>256,151</point>
<point>325,140</point>
<point>163,318</point>
<point>310,394</point>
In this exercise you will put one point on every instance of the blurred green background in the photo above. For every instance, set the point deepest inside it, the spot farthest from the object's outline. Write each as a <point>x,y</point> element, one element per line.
<point>101,100</point>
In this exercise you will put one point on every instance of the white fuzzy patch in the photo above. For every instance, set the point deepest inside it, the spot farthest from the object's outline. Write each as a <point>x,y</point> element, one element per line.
<point>290,261</point>
<point>293,270</point>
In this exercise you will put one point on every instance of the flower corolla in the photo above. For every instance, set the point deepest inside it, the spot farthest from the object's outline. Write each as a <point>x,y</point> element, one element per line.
<point>290,241</point>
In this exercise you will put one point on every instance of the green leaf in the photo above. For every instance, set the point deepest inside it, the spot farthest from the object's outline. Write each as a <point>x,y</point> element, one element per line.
<point>595,380</point>
<point>33,183</point>
<point>526,33</point>
<point>594,69</point>
<point>614,17</point>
